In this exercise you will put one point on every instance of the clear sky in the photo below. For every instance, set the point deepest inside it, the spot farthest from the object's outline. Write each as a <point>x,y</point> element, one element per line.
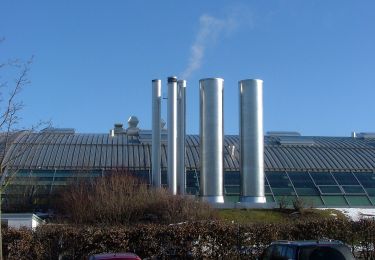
<point>94,60</point>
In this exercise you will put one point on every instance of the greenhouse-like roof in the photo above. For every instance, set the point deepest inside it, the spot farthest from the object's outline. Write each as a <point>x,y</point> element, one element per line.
<point>69,150</point>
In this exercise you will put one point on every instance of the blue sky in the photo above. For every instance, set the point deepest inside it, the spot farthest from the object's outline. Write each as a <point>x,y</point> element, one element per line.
<point>94,60</point>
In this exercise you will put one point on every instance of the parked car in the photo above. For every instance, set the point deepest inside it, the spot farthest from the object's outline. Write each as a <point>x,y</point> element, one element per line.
<point>115,256</point>
<point>307,250</point>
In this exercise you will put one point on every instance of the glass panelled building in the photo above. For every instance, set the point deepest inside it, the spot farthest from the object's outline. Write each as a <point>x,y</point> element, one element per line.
<point>322,171</point>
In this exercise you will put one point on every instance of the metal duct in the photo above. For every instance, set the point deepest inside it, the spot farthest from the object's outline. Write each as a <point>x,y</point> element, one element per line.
<point>156,132</point>
<point>251,141</point>
<point>172,134</point>
<point>211,139</point>
<point>181,128</point>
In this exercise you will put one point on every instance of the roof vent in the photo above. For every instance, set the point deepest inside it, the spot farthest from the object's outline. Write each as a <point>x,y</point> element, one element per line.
<point>295,140</point>
<point>132,126</point>
<point>133,121</point>
<point>283,133</point>
<point>58,130</point>
<point>366,135</point>
<point>118,129</point>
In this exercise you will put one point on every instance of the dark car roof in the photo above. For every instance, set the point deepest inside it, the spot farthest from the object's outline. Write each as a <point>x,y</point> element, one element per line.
<point>308,242</point>
<point>318,249</point>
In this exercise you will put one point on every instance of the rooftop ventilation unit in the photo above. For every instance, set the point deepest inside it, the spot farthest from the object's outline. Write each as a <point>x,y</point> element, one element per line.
<point>283,133</point>
<point>295,140</point>
<point>133,121</point>
<point>58,130</point>
<point>118,129</point>
<point>132,126</point>
<point>366,135</point>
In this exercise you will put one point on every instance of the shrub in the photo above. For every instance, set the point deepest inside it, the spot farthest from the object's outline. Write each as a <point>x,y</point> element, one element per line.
<point>299,204</point>
<point>283,203</point>
<point>124,199</point>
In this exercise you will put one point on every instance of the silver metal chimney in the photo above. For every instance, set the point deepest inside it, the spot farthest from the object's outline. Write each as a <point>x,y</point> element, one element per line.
<point>156,132</point>
<point>172,134</point>
<point>211,139</point>
<point>251,141</point>
<point>181,126</point>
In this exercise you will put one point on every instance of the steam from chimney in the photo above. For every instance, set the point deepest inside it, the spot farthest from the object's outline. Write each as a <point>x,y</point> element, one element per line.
<point>210,29</point>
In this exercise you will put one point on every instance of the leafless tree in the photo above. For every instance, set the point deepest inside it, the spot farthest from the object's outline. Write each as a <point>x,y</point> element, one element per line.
<point>14,76</point>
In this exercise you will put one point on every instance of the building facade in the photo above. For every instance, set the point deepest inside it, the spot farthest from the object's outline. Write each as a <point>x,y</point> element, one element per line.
<point>323,171</point>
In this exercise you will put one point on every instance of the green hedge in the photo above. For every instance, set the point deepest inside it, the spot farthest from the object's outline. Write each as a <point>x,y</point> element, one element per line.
<point>185,240</point>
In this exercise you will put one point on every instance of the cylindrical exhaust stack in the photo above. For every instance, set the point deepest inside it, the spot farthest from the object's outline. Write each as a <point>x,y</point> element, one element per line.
<point>156,132</point>
<point>181,127</point>
<point>211,139</point>
<point>251,141</point>
<point>172,134</point>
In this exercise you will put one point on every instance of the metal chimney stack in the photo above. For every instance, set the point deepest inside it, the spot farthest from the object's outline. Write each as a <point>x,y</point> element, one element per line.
<point>211,139</point>
<point>181,127</point>
<point>172,134</point>
<point>156,132</point>
<point>251,141</point>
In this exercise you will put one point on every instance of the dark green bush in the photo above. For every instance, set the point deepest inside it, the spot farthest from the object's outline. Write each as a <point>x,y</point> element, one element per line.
<point>189,240</point>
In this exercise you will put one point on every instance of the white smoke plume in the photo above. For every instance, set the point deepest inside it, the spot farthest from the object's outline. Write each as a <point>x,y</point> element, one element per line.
<point>210,29</point>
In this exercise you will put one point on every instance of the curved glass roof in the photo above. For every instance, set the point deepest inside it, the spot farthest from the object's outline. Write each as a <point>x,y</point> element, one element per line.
<point>59,150</point>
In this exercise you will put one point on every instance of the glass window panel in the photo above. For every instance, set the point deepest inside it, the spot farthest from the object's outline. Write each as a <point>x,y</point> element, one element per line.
<point>323,178</point>
<point>366,179</point>
<point>191,179</point>
<point>43,189</point>
<point>301,180</point>
<point>144,176</point>
<point>24,179</point>
<point>50,178</point>
<point>265,181</point>
<point>307,191</point>
<point>287,199</point>
<point>311,201</point>
<point>232,178</point>
<point>353,189</point>
<point>192,190</point>
<point>164,177</point>
<point>267,189</point>
<point>370,191</point>
<point>231,198</point>
<point>269,198</point>
<point>372,198</point>
<point>232,189</point>
<point>345,178</point>
<point>44,183</point>
<point>278,180</point>
<point>358,200</point>
<point>283,191</point>
<point>329,189</point>
<point>331,200</point>
<point>60,183</point>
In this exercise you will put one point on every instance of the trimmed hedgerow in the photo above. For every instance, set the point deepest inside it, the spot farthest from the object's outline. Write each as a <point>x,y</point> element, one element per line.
<point>189,240</point>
